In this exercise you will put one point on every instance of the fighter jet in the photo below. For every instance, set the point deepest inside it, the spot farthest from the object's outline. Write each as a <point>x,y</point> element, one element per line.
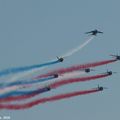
<point>101,88</point>
<point>60,59</point>
<point>109,72</point>
<point>87,70</point>
<point>116,56</point>
<point>56,75</point>
<point>94,32</point>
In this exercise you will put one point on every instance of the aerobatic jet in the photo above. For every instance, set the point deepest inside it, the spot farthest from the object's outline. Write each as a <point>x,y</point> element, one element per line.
<point>60,59</point>
<point>87,70</point>
<point>101,88</point>
<point>93,32</point>
<point>56,75</point>
<point>109,72</point>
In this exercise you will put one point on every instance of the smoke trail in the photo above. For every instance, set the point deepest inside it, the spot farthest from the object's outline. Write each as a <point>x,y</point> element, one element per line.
<point>40,80</point>
<point>59,83</point>
<point>26,68</point>
<point>72,74</point>
<point>71,52</point>
<point>17,98</point>
<point>16,95</point>
<point>77,67</point>
<point>74,80</point>
<point>71,79</point>
<point>25,82</point>
<point>25,74</point>
<point>53,79</point>
<point>47,99</point>
<point>13,88</point>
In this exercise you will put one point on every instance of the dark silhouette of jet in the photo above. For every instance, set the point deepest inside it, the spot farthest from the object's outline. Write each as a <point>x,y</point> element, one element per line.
<point>101,88</point>
<point>87,70</point>
<point>109,72</point>
<point>60,59</point>
<point>93,32</point>
<point>56,75</point>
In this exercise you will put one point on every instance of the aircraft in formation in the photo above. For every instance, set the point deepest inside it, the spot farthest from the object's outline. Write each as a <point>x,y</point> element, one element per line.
<point>60,59</point>
<point>101,88</point>
<point>109,72</point>
<point>87,70</point>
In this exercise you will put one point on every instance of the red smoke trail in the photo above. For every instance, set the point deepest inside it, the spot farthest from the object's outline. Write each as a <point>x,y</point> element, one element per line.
<point>73,80</point>
<point>26,95</point>
<point>77,67</point>
<point>15,98</point>
<point>46,99</point>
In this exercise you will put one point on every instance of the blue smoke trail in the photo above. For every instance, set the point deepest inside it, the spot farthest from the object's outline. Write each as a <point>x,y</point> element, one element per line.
<point>3,85</point>
<point>22,69</point>
<point>17,93</point>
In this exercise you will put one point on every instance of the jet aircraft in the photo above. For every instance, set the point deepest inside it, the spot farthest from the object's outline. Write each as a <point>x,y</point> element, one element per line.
<point>60,59</point>
<point>94,32</point>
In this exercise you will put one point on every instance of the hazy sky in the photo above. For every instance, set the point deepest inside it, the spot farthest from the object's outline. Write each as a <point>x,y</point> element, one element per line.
<point>36,31</point>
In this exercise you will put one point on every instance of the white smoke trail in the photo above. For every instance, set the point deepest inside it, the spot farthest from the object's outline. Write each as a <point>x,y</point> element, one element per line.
<point>24,74</point>
<point>71,52</point>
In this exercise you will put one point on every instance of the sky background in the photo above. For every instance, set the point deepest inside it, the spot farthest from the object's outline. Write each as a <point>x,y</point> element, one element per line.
<point>36,31</point>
